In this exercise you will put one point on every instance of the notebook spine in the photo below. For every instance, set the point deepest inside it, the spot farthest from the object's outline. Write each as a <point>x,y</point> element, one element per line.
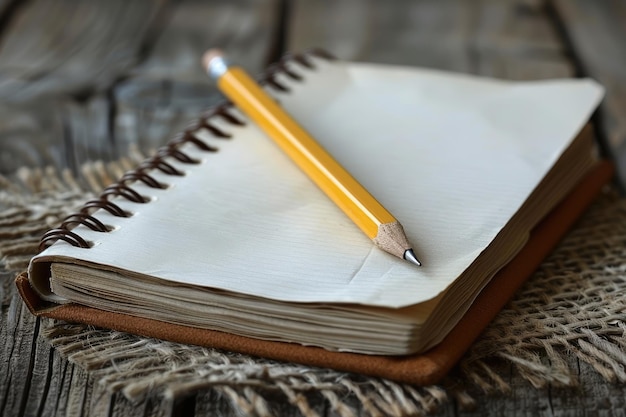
<point>123,188</point>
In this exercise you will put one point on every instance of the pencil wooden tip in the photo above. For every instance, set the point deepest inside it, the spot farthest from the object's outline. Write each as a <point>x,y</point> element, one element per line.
<point>391,238</point>
<point>209,55</point>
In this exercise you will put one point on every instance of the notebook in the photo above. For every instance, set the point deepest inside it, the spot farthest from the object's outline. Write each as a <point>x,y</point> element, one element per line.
<point>218,239</point>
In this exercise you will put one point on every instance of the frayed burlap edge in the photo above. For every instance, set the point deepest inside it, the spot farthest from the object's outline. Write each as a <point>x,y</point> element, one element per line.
<point>573,305</point>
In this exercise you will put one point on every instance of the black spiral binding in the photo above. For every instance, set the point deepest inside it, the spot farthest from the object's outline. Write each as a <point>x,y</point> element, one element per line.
<point>171,150</point>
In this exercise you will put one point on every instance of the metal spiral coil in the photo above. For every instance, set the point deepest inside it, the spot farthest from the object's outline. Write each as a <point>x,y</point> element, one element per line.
<point>171,150</point>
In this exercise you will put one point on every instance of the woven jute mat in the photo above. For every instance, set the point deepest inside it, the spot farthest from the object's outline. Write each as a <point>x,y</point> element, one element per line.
<point>574,305</point>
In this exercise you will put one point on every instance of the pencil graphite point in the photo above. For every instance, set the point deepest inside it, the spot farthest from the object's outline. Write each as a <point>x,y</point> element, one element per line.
<point>409,255</point>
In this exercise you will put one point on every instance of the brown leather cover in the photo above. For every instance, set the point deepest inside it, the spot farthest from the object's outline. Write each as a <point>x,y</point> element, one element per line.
<point>420,369</point>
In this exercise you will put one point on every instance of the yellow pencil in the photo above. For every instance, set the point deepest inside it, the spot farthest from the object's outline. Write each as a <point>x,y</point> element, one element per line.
<point>358,204</point>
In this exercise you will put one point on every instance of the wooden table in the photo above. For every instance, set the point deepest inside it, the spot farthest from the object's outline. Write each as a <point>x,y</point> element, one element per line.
<point>88,80</point>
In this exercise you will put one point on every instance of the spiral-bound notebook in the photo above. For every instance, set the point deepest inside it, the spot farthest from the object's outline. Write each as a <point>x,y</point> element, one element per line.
<point>220,240</point>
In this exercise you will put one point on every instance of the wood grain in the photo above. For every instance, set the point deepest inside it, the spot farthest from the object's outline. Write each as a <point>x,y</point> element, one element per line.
<point>170,88</point>
<point>517,40</point>
<point>509,39</point>
<point>53,55</point>
<point>32,134</point>
<point>65,46</point>
<point>597,33</point>
<point>86,80</point>
<point>428,33</point>
<point>242,29</point>
<point>19,354</point>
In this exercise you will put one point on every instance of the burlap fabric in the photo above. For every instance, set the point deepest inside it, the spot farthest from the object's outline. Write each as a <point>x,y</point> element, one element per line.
<point>573,305</point>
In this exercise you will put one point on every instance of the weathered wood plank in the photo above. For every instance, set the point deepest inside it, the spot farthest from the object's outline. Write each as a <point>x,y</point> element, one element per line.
<point>32,134</point>
<point>79,393</point>
<point>55,131</point>
<point>519,69</point>
<point>150,112</point>
<point>517,40</point>
<point>211,403</point>
<point>60,382</point>
<point>517,28</point>
<point>597,32</point>
<point>170,88</point>
<point>243,29</point>
<point>66,46</point>
<point>521,401</point>
<point>152,407</point>
<point>87,134</point>
<point>510,39</point>
<point>593,397</point>
<point>5,5</point>
<point>430,33</point>
<point>18,356</point>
